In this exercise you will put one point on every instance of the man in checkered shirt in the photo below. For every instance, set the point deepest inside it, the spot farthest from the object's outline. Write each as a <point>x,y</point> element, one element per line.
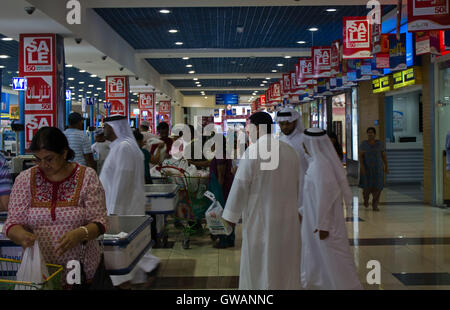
<point>5,184</point>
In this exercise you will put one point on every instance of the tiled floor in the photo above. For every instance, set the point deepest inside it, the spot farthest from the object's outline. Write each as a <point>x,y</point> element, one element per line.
<point>409,239</point>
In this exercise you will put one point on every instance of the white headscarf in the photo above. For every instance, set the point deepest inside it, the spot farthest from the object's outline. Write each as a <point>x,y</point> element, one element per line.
<point>319,147</point>
<point>121,128</point>
<point>290,115</point>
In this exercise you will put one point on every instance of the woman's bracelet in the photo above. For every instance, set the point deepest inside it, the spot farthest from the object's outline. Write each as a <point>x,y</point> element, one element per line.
<point>86,231</point>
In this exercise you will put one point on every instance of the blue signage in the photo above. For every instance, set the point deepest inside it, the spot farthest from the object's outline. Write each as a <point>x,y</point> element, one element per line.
<point>89,101</point>
<point>19,83</point>
<point>397,52</point>
<point>107,105</point>
<point>351,76</point>
<point>68,95</point>
<point>226,99</point>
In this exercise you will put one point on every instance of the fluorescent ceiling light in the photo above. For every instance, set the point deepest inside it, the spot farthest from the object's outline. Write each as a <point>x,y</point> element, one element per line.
<point>287,57</point>
<point>7,39</point>
<point>69,66</point>
<point>280,65</point>
<point>164,11</point>
<point>82,71</point>
<point>93,75</point>
<point>301,42</point>
<point>185,58</point>
<point>274,71</point>
<point>81,82</point>
<point>173,31</point>
<point>71,79</point>
<point>331,10</point>
<point>188,66</point>
<point>178,43</point>
<point>4,56</point>
<point>191,72</point>
<point>313,29</point>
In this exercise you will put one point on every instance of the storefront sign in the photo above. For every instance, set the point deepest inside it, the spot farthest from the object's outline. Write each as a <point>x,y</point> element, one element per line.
<point>382,61</point>
<point>381,85</point>
<point>41,63</point>
<point>357,37</point>
<point>428,42</point>
<point>397,52</point>
<point>147,109</point>
<point>321,61</point>
<point>426,15</point>
<point>405,78</point>
<point>117,90</point>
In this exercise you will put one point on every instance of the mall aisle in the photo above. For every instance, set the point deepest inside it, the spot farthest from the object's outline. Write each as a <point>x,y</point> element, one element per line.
<point>409,239</point>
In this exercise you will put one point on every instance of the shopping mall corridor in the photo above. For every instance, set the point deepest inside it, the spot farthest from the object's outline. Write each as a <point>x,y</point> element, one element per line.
<point>409,239</point>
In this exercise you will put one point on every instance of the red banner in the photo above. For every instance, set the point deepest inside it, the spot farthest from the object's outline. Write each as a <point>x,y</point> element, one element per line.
<point>262,102</point>
<point>382,61</point>
<point>164,110</point>
<point>376,38</point>
<point>357,38</point>
<point>426,15</point>
<point>287,84</point>
<point>41,61</point>
<point>117,90</point>
<point>275,91</point>
<point>305,72</point>
<point>335,57</point>
<point>321,61</point>
<point>147,109</point>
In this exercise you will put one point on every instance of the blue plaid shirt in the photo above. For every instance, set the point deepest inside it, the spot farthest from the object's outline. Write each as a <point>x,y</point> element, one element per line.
<point>5,177</point>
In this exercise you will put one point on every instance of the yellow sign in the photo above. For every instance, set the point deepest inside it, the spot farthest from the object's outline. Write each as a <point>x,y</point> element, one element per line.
<point>381,85</point>
<point>405,78</point>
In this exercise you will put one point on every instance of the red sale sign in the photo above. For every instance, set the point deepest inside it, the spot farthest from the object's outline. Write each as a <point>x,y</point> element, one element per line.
<point>32,124</point>
<point>164,111</point>
<point>164,106</point>
<point>116,86</point>
<point>39,93</point>
<point>117,89</point>
<point>146,100</point>
<point>321,61</point>
<point>286,84</point>
<point>335,57</point>
<point>276,91</point>
<point>357,38</point>
<point>426,15</point>
<point>305,72</point>
<point>37,56</point>
<point>41,61</point>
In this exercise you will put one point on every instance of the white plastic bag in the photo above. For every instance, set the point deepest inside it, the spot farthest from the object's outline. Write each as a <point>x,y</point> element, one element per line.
<point>32,268</point>
<point>214,221</point>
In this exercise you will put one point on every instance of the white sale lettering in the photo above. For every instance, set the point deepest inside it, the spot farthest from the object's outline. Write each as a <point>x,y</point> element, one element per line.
<point>38,54</point>
<point>357,31</point>
<point>35,124</point>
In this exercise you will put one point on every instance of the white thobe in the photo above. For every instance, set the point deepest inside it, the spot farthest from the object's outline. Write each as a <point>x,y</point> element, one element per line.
<point>122,177</point>
<point>326,264</point>
<point>267,200</point>
<point>295,139</point>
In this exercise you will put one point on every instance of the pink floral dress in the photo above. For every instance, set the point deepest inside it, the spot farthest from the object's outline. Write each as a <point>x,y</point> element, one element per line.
<point>51,209</point>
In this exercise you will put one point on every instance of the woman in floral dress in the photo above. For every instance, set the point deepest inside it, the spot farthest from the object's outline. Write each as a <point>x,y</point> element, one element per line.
<point>58,203</point>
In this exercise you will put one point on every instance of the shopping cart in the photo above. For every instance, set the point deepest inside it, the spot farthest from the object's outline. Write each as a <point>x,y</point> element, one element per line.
<point>192,204</point>
<point>8,281</point>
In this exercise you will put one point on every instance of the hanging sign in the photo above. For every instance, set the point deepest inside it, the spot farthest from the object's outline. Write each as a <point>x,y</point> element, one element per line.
<point>376,38</point>
<point>424,15</point>
<point>428,42</point>
<point>287,84</point>
<point>275,91</point>
<point>381,84</point>
<point>305,72</point>
<point>397,52</point>
<point>335,57</point>
<point>164,112</point>
<point>321,61</point>
<point>357,38</point>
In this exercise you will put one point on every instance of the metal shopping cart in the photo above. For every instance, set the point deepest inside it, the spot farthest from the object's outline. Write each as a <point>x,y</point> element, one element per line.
<point>192,205</point>
<point>8,281</point>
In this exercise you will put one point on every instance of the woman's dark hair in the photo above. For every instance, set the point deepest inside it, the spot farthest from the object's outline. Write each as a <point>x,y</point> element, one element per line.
<point>371,128</point>
<point>51,139</point>
<point>138,135</point>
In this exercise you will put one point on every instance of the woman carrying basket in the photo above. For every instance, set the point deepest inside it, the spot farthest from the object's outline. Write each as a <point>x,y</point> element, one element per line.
<point>59,203</point>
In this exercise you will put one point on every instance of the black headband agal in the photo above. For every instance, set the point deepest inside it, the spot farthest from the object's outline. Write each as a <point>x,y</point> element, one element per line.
<point>114,118</point>
<point>284,114</point>
<point>315,134</point>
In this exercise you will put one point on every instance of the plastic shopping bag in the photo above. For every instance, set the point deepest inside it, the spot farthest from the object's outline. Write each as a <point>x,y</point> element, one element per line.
<point>214,221</point>
<point>32,268</point>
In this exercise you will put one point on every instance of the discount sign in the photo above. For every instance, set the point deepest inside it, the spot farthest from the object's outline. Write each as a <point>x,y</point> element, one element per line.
<point>357,38</point>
